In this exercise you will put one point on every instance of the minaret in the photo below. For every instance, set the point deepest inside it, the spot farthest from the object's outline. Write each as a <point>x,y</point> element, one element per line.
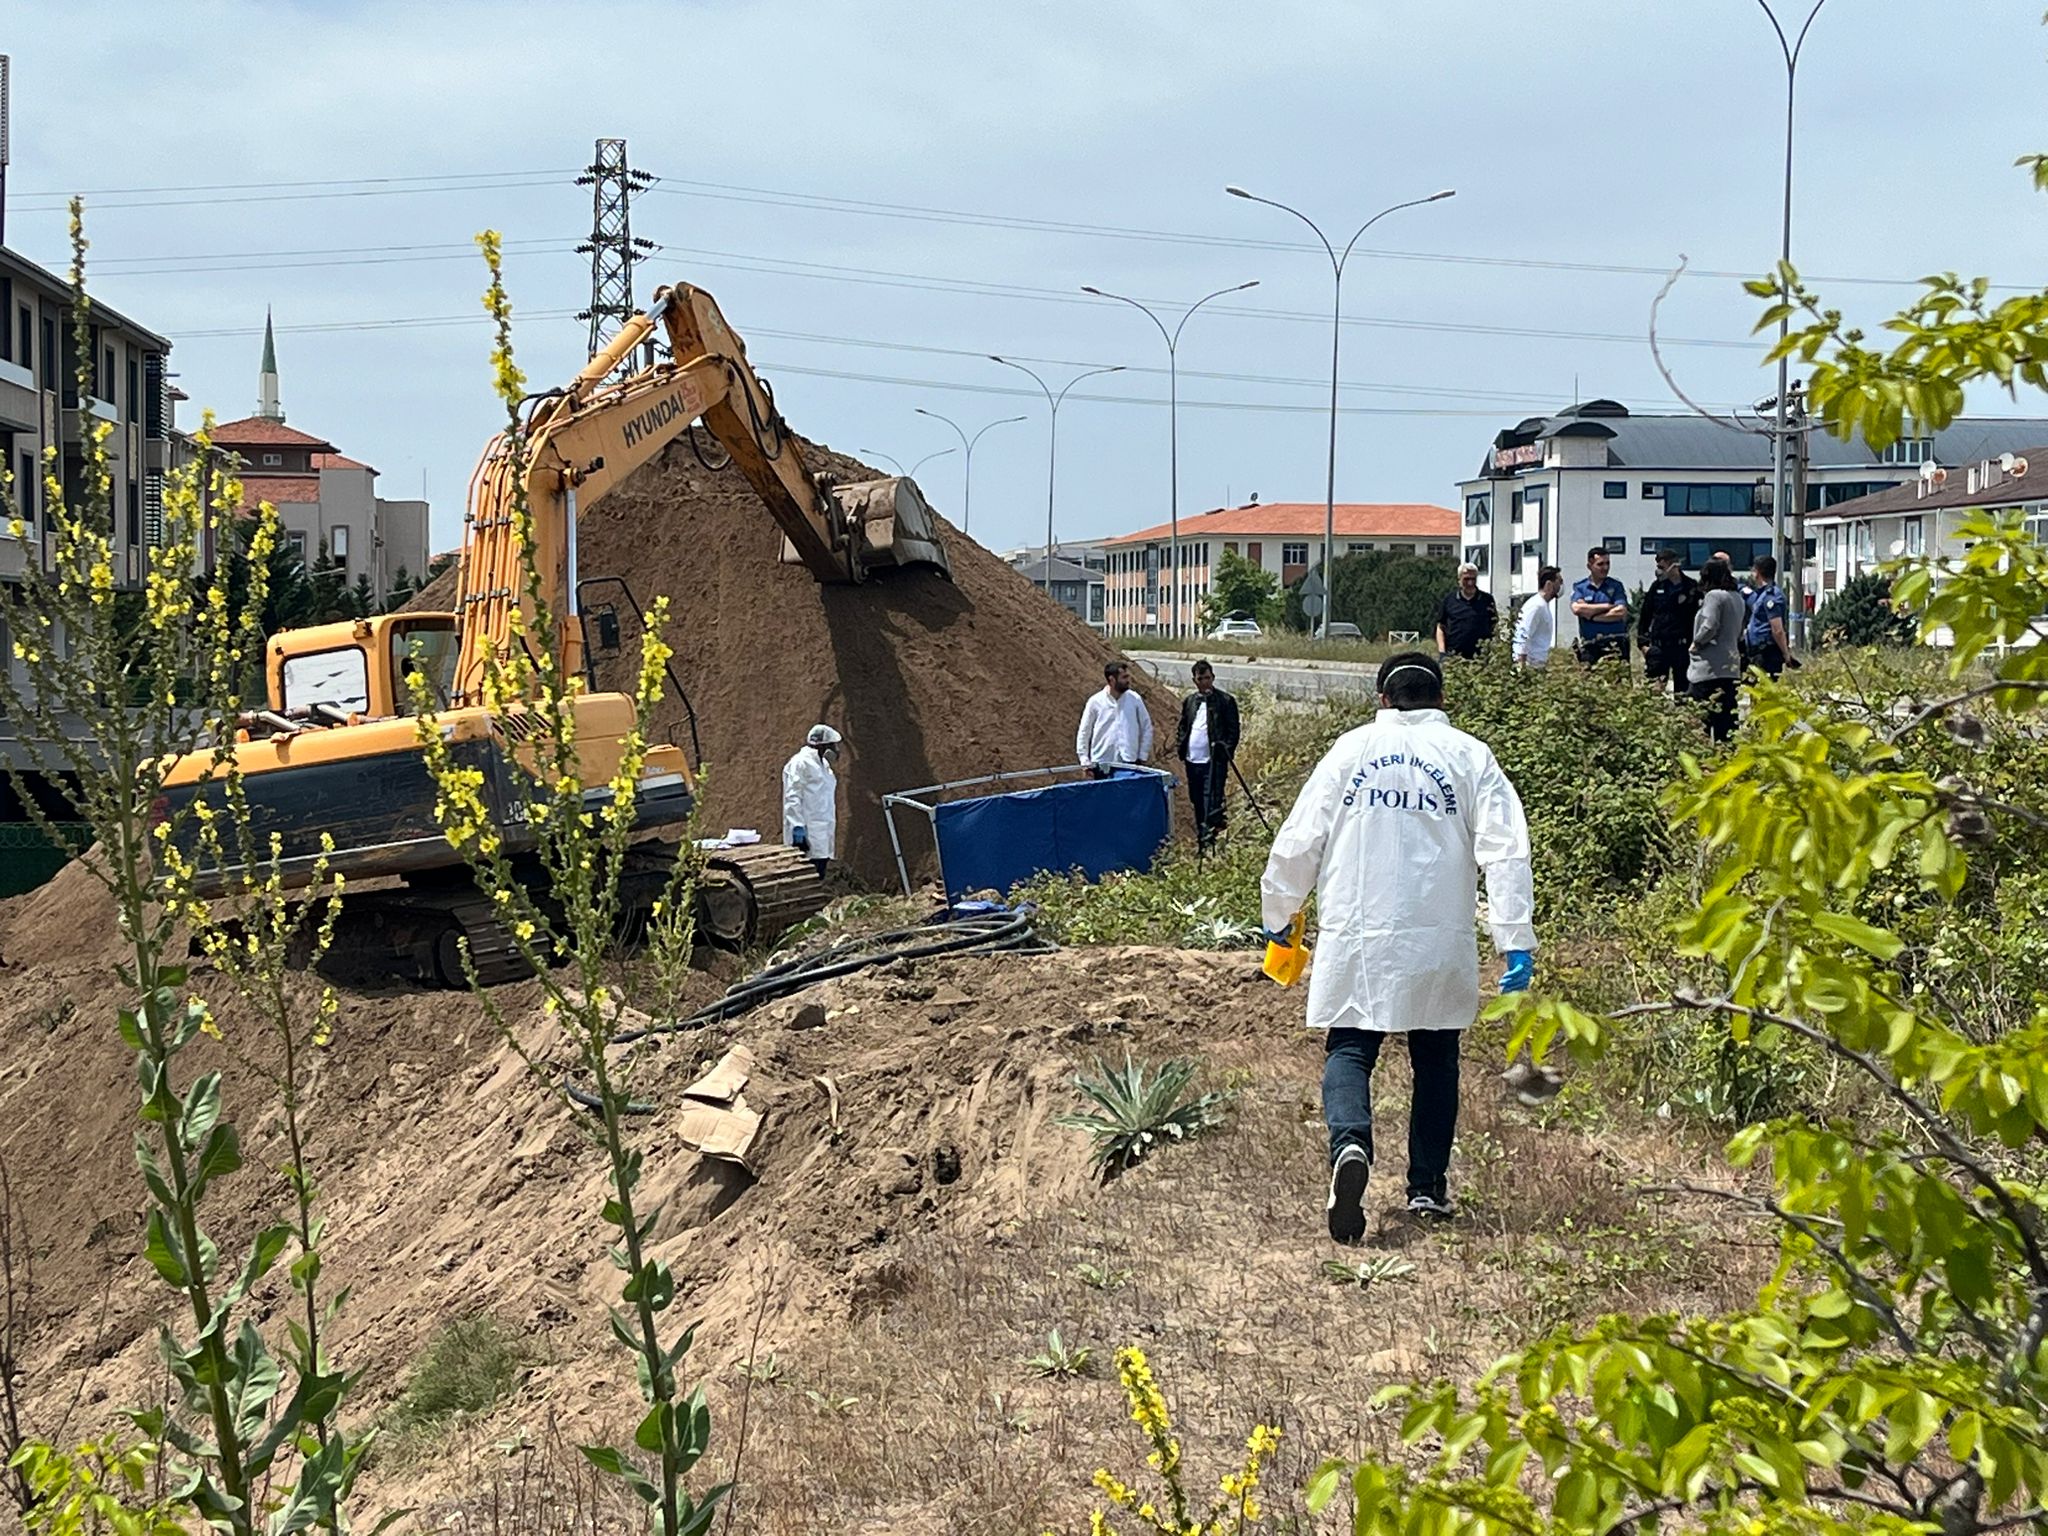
<point>267,407</point>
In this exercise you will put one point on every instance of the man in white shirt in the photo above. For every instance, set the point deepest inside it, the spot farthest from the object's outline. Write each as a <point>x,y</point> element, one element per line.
<point>1536,628</point>
<point>1116,727</point>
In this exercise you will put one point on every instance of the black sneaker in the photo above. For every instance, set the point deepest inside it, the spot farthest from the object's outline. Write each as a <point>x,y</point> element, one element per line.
<point>1346,1208</point>
<point>1430,1208</point>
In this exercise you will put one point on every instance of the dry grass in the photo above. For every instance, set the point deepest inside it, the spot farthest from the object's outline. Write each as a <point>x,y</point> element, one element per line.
<point>923,1414</point>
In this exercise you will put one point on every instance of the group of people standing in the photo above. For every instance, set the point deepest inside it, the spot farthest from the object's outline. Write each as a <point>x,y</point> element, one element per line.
<point>1116,731</point>
<point>1698,636</point>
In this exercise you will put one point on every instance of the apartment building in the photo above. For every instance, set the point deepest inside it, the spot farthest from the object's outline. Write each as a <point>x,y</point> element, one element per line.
<point>327,503</point>
<point>1284,537</point>
<point>1552,487</point>
<point>1921,516</point>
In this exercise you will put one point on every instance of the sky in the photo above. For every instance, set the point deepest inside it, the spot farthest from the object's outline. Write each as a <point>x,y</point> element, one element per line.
<point>880,194</point>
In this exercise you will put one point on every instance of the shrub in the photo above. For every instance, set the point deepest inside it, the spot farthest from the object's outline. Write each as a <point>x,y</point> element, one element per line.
<point>1861,613</point>
<point>466,1368</point>
<point>1136,1111</point>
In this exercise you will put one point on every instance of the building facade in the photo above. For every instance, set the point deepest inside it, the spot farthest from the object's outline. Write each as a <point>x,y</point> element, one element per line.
<point>327,503</point>
<point>1597,474</point>
<point>1284,537</point>
<point>1921,516</point>
<point>1075,587</point>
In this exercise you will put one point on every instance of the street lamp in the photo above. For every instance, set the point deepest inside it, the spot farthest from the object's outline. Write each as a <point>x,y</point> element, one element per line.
<point>1172,339</point>
<point>910,473</point>
<point>967,477</point>
<point>1052,448</point>
<point>1784,514</point>
<point>1336,331</point>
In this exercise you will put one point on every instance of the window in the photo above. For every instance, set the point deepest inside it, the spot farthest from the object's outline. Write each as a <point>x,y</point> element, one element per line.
<point>1358,549</point>
<point>134,513</point>
<point>134,389</point>
<point>271,460</point>
<point>25,333</point>
<point>1256,553</point>
<point>1514,506</point>
<point>1478,510</point>
<point>1916,535</point>
<point>430,647</point>
<point>1476,554</point>
<point>296,540</point>
<point>1536,508</point>
<point>1818,496</point>
<point>25,485</point>
<point>1230,546</point>
<point>1614,490</point>
<point>1865,543</point>
<point>7,331</point>
<point>1294,554</point>
<point>49,353</point>
<point>338,543</point>
<point>1706,500</point>
<point>1909,450</point>
<point>1650,546</point>
<point>1615,544</point>
<point>340,678</point>
<point>1830,547</point>
<point>1400,549</point>
<point>1652,491</point>
<point>1441,551</point>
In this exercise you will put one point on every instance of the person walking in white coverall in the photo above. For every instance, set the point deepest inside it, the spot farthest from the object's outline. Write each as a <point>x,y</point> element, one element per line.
<point>810,797</point>
<point>1390,832</point>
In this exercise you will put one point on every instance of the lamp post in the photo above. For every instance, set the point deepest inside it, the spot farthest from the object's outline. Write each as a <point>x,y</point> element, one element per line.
<point>1052,448</point>
<point>1336,332</point>
<point>967,477</point>
<point>1784,516</point>
<point>1172,339</point>
<point>910,473</point>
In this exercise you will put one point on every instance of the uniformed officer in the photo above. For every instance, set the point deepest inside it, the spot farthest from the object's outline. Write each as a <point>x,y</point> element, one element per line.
<point>1764,641</point>
<point>1600,604</point>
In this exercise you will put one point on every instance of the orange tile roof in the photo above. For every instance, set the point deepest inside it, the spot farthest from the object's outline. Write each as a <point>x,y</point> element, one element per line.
<point>260,430</point>
<point>1304,519</point>
<point>279,489</point>
<point>338,461</point>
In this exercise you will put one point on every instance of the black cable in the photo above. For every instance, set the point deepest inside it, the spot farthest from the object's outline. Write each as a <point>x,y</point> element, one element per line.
<point>1004,931</point>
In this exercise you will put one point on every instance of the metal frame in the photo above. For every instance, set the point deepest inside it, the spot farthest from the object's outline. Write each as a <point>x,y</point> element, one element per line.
<point>909,798</point>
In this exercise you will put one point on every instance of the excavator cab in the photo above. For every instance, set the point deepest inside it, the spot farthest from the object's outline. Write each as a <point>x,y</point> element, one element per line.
<point>360,669</point>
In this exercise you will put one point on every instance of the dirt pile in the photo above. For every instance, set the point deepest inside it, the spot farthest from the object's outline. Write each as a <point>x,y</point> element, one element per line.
<point>929,680</point>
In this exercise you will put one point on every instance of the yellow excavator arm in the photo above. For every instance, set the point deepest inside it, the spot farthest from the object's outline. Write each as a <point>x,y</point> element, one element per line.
<point>580,442</point>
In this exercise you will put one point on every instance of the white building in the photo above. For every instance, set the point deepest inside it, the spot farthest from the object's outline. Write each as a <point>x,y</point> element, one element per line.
<point>1552,487</point>
<point>1921,516</point>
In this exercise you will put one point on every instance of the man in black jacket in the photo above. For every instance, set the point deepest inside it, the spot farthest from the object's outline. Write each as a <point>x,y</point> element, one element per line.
<point>1207,741</point>
<point>1664,628</point>
<point>1465,617</point>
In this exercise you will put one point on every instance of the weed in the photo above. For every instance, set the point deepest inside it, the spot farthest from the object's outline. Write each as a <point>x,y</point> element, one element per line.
<point>1101,1278</point>
<point>468,1366</point>
<point>826,1403</point>
<point>1136,1110</point>
<point>1374,1269</point>
<point>1061,1360</point>
<point>764,1372</point>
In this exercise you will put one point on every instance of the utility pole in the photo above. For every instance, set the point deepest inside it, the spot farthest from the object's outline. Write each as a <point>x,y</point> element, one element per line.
<point>612,247</point>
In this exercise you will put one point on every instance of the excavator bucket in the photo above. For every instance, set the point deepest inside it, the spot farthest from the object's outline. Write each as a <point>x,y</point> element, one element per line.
<point>892,525</point>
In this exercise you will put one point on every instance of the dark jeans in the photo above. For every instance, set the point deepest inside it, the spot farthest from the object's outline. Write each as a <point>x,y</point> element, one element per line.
<point>1348,1059</point>
<point>1717,695</point>
<point>1600,647</point>
<point>1767,658</point>
<point>1661,662</point>
<point>1208,784</point>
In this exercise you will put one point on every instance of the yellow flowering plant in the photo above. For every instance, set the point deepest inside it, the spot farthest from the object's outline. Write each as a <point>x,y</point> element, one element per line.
<point>126,658</point>
<point>1231,1511</point>
<point>558,899</point>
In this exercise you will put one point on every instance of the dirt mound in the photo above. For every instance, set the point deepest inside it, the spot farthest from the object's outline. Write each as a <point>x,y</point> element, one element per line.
<point>69,921</point>
<point>929,680</point>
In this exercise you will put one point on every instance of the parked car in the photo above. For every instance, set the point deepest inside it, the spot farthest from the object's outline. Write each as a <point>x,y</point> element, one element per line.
<point>1237,629</point>
<point>1341,631</point>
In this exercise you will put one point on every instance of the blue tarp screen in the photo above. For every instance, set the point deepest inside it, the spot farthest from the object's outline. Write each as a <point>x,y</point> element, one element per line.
<point>1093,825</point>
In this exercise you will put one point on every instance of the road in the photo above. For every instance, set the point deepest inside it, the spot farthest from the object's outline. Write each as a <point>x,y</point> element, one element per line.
<point>1282,677</point>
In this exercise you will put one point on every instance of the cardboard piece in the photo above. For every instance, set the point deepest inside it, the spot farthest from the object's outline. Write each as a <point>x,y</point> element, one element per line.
<point>715,1117</point>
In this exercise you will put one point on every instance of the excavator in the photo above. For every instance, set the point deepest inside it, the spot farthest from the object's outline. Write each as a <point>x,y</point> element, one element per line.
<point>335,751</point>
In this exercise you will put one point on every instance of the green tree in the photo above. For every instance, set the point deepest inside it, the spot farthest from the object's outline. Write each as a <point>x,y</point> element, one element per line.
<point>1381,591</point>
<point>1238,586</point>
<point>1860,612</point>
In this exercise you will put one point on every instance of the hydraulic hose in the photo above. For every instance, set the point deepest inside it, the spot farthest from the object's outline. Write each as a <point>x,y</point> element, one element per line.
<point>1006,930</point>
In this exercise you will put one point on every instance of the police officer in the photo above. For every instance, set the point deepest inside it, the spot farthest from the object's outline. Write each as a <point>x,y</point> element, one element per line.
<point>1665,627</point>
<point>1600,604</point>
<point>1764,642</point>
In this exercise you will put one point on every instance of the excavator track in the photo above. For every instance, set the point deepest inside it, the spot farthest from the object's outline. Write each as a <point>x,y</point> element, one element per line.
<point>755,894</point>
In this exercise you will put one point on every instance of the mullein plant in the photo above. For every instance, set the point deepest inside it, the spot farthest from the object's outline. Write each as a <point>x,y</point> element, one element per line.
<point>561,906</point>
<point>108,687</point>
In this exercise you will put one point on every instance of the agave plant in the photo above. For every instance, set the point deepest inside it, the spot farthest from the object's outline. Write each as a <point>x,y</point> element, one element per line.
<point>1135,1110</point>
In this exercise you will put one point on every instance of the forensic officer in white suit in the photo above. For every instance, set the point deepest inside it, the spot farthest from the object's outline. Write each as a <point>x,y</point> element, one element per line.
<point>1390,832</point>
<point>810,796</point>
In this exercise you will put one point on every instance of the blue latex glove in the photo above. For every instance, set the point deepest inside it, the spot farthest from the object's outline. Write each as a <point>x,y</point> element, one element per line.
<point>799,838</point>
<point>1281,936</point>
<point>1520,972</point>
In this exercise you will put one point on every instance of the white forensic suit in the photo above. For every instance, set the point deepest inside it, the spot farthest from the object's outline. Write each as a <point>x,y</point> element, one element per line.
<point>1115,728</point>
<point>810,799</point>
<point>1391,831</point>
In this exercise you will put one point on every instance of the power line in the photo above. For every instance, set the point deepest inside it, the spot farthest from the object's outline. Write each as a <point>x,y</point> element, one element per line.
<point>293,197</point>
<point>255,186</point>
